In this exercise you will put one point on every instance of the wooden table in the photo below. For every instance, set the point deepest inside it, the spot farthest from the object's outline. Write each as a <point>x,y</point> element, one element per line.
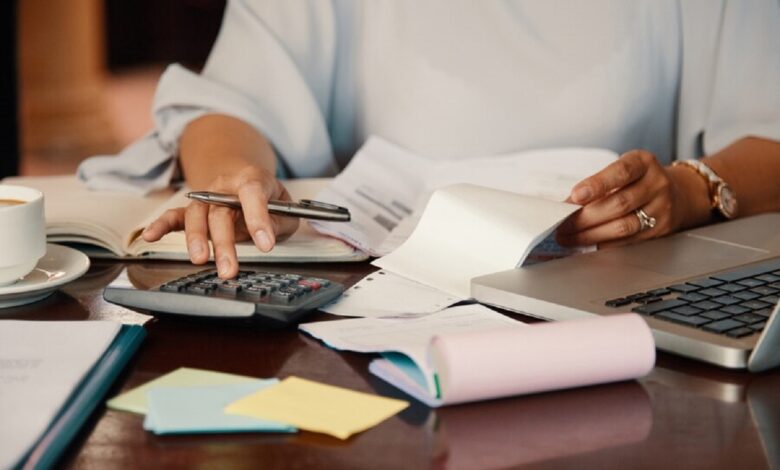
<point>683,415</point>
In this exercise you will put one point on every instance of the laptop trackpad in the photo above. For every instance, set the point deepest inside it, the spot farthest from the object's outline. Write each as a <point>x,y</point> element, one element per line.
<point>684,255</point>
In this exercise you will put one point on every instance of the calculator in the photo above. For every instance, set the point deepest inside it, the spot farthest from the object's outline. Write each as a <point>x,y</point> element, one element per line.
<point>269,298</point>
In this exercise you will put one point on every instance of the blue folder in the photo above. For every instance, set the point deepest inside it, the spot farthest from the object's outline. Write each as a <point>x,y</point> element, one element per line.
<point>83,401</point>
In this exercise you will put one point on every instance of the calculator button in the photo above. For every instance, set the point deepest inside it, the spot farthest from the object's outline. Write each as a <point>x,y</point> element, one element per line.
<point>230,288</point>
<point>322,282</point>
<point>254,292</point>
<point>314,285</point>
<point>172,287</point>
<point>282,297</point>
<point>291,291</point>
<point>198,289</point>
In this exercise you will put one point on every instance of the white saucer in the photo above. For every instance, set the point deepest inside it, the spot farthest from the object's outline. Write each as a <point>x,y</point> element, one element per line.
<point>59,265</point>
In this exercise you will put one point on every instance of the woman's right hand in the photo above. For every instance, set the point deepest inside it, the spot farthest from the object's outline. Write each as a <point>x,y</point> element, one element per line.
<point>224,225</point>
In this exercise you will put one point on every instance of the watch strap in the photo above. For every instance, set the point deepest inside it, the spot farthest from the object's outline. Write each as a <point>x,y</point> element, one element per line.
<point>715,187</point>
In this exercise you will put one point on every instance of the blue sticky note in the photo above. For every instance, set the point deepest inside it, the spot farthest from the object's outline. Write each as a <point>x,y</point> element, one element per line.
<point>198,410</point>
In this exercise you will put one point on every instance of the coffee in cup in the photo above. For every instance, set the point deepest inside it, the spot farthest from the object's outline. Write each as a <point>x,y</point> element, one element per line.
<point>22,232</point>
<point>10,202</point>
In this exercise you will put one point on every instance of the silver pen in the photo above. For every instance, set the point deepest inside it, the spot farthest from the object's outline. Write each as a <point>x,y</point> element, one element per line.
<point>305,208</point>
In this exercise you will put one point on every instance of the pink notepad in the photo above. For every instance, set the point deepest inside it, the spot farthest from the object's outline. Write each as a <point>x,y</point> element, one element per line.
<point>518,360</point>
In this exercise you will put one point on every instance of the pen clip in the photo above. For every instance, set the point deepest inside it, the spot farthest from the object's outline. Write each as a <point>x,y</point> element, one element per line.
<point>323,205</point>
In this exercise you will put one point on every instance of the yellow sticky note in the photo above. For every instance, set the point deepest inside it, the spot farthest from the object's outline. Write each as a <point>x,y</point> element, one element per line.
<point>135,400</point>
<point>317,407</point>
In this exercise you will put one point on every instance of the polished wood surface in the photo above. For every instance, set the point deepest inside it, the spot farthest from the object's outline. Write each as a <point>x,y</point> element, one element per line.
<point>683,415</point>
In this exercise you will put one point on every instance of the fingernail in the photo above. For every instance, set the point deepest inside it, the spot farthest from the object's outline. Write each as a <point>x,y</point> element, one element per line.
<point>223,266</point>
<point>263,240</point>
<point>196,248</point>
<point>582,195</point>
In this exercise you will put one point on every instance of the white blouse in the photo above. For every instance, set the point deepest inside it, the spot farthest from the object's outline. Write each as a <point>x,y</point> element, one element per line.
<point>460,78</point>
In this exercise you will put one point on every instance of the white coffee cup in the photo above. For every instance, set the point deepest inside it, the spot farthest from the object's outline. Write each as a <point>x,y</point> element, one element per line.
<point>22,232</point>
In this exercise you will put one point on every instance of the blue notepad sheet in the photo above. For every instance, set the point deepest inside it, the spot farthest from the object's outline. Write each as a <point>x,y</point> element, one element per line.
<point>199,410</point>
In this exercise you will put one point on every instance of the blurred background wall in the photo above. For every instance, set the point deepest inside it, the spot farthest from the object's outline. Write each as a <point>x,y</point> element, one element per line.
<point>86,72</point>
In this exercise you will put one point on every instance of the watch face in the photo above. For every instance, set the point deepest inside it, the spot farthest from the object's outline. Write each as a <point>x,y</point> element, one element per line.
<point>727,201</point>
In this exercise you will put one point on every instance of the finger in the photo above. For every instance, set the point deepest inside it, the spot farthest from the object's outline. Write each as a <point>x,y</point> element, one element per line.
<point>170,221</point>
<point>626,229</point>
<point>629,168</point>
<point>662,227</point>
<point>612,207</point>
<point>254,204</point>
<point>196,231</point>
<point>221,222</point>
<point>285,226</point>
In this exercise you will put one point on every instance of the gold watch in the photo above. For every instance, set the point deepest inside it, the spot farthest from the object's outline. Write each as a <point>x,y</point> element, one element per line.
<point>723,200</point>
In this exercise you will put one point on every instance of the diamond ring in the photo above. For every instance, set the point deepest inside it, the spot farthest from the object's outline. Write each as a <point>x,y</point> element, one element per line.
<point>645,221</point>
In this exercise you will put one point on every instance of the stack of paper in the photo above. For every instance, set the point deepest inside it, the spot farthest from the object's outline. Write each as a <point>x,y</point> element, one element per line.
<point>200,401</point>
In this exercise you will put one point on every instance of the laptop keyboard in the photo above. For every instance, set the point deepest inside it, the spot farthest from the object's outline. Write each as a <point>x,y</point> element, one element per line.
<point>734,303</point>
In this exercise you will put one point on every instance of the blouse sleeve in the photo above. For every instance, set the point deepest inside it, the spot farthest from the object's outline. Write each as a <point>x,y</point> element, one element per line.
<point>272,66</point>
<point>731,74</point>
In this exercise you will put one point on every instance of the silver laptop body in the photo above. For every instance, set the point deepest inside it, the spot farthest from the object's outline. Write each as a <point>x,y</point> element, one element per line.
<point>581,286</point>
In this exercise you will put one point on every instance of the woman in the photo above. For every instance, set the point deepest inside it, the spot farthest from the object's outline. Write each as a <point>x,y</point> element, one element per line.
<point>293,88</point>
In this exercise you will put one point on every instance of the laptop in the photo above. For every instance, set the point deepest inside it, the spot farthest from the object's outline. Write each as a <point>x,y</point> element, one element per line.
<point>709,293</point>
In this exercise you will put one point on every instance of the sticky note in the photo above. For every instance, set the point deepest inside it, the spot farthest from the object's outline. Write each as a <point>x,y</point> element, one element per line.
<point>182,410</point>
<point>135,399</point>
<point>317,407</point>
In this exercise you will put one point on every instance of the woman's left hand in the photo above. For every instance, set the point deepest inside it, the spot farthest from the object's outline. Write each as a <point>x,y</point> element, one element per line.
<point>632,199</point>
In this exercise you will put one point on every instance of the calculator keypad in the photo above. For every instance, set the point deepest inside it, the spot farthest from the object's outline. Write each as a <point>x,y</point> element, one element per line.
<point>252,286</point>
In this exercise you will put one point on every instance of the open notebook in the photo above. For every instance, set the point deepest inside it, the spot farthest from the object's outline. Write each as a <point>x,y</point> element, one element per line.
<point>109,224</point>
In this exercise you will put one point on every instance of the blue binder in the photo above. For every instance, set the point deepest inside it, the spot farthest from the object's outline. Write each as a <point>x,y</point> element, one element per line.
<point>88,396</point>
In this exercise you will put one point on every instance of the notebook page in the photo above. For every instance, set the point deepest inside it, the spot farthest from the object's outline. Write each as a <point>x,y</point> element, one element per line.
<point>102,218</point>
<point>304,245</point>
